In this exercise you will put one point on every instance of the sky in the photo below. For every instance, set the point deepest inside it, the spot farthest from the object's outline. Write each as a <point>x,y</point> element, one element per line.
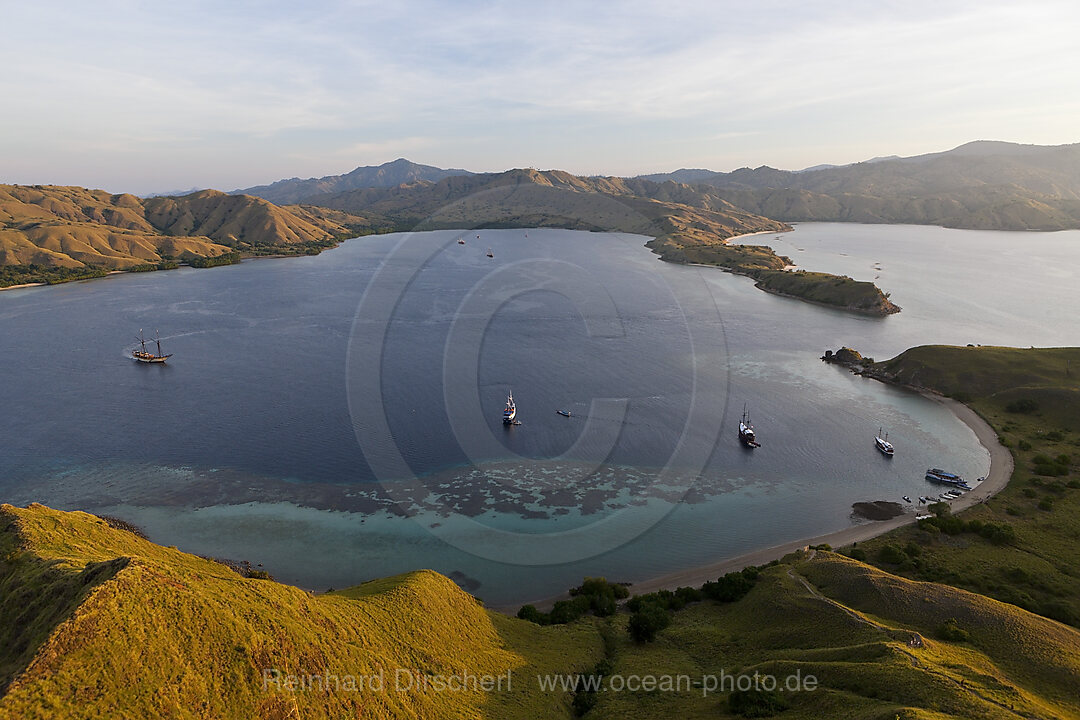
<point>148,97</point>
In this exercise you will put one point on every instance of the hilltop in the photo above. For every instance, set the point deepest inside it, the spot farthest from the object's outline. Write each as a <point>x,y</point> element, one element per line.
<point>980,185</point>
<point>65,230</point>
<point>96,621</point>
<point>391,174</point>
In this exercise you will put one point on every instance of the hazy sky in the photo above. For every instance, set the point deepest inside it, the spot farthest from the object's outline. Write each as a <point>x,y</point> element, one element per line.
<point>145,96</point>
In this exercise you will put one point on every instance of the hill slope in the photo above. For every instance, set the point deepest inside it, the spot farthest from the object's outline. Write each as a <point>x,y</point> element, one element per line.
<point>391,174</point>
<point>71,227</point>
<point>980,185</point>
<point>868,639</point>
<point>1031,397</point>
<point>96,622</point>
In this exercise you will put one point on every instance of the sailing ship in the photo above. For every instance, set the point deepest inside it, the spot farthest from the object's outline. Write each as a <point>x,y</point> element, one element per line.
<point>883,444</point>
<point>511,410</point>
<point>746,431</point>
<point>145,356</point>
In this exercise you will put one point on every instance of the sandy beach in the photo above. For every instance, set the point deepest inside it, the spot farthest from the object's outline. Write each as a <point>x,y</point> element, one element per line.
<point>1001,469</point>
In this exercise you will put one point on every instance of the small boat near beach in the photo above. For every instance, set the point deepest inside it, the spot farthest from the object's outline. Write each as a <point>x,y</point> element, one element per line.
<point>906,498</point>
<point>489,253</point>
<point>564,413</point>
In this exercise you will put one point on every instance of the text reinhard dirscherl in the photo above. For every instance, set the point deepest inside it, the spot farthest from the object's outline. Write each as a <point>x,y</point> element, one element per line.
<point>405,680</point>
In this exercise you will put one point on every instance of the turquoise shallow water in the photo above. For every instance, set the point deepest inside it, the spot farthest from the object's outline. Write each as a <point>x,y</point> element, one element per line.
<point>336,418</point>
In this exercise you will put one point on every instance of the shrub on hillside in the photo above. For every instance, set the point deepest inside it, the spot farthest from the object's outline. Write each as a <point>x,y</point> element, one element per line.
<point>647,622</point>
<point>951,631</point>
<point>1024,406</point>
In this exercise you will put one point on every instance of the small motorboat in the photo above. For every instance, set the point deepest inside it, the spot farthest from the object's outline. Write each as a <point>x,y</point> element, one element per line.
<point>564,413</point>
<point>461,241</point>
<point>490,254</point>
<point>906,498</point>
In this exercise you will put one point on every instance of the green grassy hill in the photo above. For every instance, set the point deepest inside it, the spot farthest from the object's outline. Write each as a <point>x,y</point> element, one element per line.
<point>868,638</point>
<point>1032,398</point>
<point>96,622</point>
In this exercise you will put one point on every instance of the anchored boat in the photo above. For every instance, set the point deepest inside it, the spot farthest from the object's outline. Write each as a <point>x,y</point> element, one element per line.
<point>511,410</point>
<point>883,444</point>
<point>746,431</point>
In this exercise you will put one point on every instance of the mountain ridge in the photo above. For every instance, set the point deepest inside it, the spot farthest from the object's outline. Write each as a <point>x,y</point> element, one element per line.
<point>296,190</point>
<point>986,185</point>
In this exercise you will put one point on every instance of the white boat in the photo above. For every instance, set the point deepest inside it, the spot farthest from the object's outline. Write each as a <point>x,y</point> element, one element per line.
<point>511,410</point>
<point>883,444</point>
<point>145,356</point>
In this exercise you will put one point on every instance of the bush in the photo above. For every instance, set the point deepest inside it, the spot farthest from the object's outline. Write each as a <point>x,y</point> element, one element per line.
<point>858,554</point>
<point>731,586</point>
<point>647,622</point>
<point>950,630</point>
<point>1046,504</point>
<point>892,555</point>
<point>756,703</point>
<point>530,613</point>
<point>1030,492</point>
<point>1024,445</point>
<point>600,595</point>
<point>1024,406</point>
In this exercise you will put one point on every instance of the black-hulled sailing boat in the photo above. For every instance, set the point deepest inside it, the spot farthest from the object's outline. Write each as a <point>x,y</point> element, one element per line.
<point>145,356</point>
<point>746,430</point>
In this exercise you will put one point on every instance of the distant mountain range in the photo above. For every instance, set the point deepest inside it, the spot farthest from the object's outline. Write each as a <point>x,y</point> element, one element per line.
<point>391,174</point>
<point>981,185</point>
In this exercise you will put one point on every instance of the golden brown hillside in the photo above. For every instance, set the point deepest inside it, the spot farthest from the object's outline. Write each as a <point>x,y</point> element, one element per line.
<point>97,622</point>
<point>72,227</point>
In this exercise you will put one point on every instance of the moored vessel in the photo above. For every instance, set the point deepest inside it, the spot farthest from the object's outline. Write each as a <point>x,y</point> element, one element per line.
<point>883,444</point>
<point>746,431</point>
<point>511,409</point>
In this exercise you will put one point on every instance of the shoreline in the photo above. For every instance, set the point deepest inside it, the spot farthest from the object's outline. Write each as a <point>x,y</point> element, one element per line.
<point>23,285</point>
<point>1001,470</point>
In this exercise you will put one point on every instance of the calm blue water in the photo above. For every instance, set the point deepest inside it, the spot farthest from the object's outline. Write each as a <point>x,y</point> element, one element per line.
<point>337,417</point>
